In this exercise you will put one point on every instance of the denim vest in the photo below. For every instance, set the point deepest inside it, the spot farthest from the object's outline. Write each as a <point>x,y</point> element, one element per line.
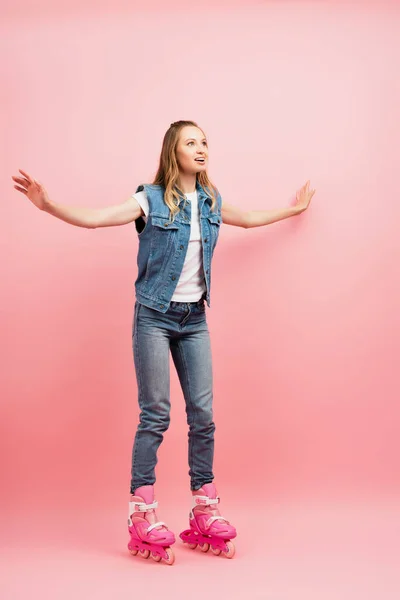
<point>163,245</point>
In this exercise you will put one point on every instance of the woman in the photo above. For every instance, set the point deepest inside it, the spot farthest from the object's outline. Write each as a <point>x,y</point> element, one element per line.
<point>178,219</point>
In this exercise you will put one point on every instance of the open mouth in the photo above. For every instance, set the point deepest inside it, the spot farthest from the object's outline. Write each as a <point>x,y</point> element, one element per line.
<point>200,160</point>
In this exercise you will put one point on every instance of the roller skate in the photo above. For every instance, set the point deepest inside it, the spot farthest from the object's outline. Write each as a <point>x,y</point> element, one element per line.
<point>207,527</point>
<point>149,537</point>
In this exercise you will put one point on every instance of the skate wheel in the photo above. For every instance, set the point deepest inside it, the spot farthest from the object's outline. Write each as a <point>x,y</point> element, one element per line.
<point>133,552</point>
<point>231,550</point>
<point>144,553</point>
<point>170,556</point>
<point>216,551</point>
<point>155,557</point>
<point>204,547</point>
<point>192,546</point>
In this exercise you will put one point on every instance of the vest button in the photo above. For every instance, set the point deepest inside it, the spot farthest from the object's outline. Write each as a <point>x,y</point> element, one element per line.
<point>173,277</point>
<point>181,247</point>
<point>206,240</point>
<point>165,224</point>
<point>161,305</point>
<point>207,271</point>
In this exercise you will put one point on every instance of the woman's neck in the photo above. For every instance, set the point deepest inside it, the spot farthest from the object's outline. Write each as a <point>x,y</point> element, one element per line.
<point>187,183</point>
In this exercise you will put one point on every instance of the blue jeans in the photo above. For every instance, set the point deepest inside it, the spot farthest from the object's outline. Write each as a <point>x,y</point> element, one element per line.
<point>183,330</point>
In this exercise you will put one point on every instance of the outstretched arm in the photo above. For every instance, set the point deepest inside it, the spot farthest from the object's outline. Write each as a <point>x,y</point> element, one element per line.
<point>231,215</point>
<point>91,218</point>
<point>256,218</point>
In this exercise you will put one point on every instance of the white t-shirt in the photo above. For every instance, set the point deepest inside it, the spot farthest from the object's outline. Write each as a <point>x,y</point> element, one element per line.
<point>191,284</point>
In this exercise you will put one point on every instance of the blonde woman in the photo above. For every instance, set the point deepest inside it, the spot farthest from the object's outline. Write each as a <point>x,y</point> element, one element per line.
<point>178,218</point>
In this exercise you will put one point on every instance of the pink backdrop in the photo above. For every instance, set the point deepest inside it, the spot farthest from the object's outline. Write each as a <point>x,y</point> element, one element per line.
<point>304,317</point>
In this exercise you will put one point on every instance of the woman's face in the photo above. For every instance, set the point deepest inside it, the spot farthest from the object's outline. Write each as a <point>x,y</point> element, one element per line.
<point>191,147</point>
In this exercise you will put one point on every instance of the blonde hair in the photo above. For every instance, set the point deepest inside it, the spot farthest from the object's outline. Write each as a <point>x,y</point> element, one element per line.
<point>168,171</point>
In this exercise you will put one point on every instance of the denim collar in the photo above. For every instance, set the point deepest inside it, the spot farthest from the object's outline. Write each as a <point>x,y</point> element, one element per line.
<point>201,194</point>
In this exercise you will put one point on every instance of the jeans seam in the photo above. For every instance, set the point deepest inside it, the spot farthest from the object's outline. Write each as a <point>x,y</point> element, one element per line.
<point>139,377</point>
<point>181,352</point>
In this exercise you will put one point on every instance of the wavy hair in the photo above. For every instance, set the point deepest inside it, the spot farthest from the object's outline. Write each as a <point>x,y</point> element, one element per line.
<point>168,171</point>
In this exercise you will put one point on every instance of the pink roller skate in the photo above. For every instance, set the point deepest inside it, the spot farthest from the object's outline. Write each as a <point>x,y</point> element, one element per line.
<point>148,536</point>
<point>207,526</point>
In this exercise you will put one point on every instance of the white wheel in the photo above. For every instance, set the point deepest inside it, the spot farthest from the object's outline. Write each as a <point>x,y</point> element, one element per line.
<point>155,557</point>
<point>204,547</point>
<point>192,546</point>
<point>231,550</point>
<point>216,551</point>
<point>171,556</point>
<point>144,553</point>
<point>133,552</point>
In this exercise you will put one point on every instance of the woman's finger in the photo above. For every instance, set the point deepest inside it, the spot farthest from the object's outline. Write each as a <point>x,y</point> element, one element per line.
<point>20,189</point>
<point>29,178</point>
<point>23,182</point>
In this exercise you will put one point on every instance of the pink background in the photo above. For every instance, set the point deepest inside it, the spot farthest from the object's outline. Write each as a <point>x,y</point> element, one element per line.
<point>304,317</point>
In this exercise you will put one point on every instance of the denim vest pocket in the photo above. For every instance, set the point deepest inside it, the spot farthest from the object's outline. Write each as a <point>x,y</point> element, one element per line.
<point>163,222</point>
<point>214,221</point>
<point>162,245</point>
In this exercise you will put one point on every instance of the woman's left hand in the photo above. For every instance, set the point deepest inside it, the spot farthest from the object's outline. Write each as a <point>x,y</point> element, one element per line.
<point>303,197</point>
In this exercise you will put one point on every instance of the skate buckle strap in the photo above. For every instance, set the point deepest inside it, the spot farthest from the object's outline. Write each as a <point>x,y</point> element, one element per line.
<point>212,519</point>
<point>196,500</point>
<point>141,506</point>
<point>156,525</point>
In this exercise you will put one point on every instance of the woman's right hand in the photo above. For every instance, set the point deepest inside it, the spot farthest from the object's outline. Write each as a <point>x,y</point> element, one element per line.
<point>35,191</point>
